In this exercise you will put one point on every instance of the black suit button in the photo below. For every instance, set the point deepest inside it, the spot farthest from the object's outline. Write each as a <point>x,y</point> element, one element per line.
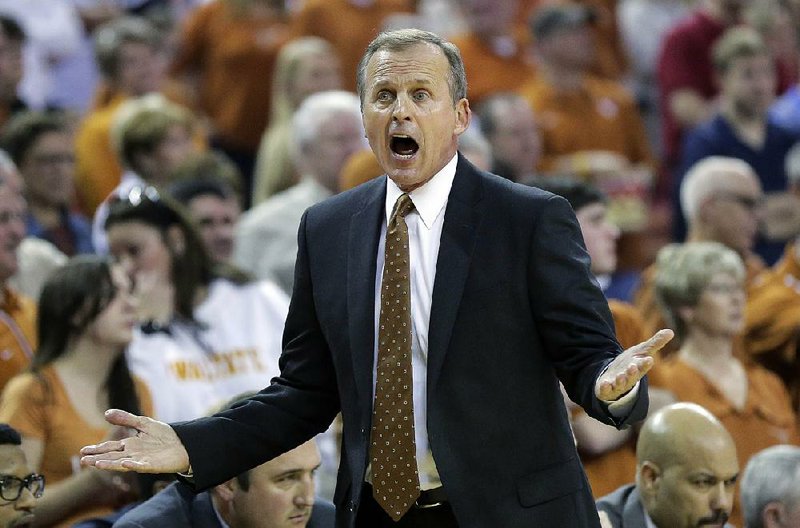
<point>351,506</point>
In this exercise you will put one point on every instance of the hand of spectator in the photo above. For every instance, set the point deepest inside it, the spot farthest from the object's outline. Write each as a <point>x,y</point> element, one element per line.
<point>155,448</point>
<point>629,367</point>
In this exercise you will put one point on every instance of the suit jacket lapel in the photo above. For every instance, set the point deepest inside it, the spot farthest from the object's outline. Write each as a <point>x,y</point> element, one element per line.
<point>461,219</point>
<point>365,229</point>
<point>633,512</point>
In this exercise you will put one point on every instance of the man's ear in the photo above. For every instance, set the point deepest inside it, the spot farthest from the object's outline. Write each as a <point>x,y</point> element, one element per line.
<point>176,240</point>
<point>463,116</point>
<point>772,514</point>
<point>225,491</point>
<point>649,478</point>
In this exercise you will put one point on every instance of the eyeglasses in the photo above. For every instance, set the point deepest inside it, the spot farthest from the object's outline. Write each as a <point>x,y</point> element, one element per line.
<point>140,193</point>
<point>11,487</point>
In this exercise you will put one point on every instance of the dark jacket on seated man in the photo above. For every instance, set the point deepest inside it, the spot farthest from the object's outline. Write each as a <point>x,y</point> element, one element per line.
<point>177,506</point>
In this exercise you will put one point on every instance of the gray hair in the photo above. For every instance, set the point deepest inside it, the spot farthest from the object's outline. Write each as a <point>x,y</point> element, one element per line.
<point>315,110</point>
<point>110,38</point>
<point>401,39</point>
<point>771,475</point>
<point>683,271</point>
<point>708,177</point>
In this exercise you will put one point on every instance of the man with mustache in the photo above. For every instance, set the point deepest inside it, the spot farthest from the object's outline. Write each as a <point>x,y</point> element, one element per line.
<point>685,476</point>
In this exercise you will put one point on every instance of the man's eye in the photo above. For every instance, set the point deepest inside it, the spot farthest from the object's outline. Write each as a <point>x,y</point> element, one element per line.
<point>384,96</point>
<point>420,95</point>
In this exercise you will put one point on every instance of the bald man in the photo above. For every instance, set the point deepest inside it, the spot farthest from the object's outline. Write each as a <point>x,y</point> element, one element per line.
<point>685,476</point>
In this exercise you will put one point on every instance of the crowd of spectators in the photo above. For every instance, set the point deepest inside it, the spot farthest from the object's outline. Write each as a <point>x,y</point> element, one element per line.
<point>156,157</point>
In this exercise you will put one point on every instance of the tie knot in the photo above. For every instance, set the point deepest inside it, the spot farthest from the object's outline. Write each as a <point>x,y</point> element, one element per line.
<point>403,206</point>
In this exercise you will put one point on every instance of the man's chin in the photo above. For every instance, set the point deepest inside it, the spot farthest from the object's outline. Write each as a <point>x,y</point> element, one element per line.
<point>25,521</point>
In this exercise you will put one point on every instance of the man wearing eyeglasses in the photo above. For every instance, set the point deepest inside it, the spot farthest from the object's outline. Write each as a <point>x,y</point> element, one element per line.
<point>19,488</point>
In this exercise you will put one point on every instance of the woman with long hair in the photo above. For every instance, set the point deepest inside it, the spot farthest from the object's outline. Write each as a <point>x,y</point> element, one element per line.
<point>86,320</point>
<point>206,332</point>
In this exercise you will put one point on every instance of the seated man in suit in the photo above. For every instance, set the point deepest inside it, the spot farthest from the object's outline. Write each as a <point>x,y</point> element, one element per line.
<point>19,488</point>
<point>686,473</point>
<point>771,488</point>
<point>277,494</point>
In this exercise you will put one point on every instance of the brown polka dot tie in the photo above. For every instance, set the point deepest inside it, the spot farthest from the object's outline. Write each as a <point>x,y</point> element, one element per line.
<point>395,480</point>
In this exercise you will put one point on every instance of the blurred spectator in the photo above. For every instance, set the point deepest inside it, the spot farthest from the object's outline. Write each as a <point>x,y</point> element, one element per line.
<point>701,286</point>
<point>54,31</point>
<point>587,123</point>
<point>305,65</point>
<point>327,129</point>
<point>20,487</point>
<point>741,128</point>
<point>206,186</point>
<point>686,80</point>
<point>42,147</point>
<point>607,454</point>
<point>685,477</point>
<point>507,121</point>
<point>771,488</point>
<point>206,333</point>
<point>275,494</point>
<point>495,57</point>
<point>130,55</point>
<point>775,23</point>
<point>86,318</point>
<point>17,312</point>
<point>152,137</point>
<point>720,200</point>
<point>643,25</point>
<point>12,38</point>
<point>226,57</point>
<point>475,147</point>
<point>349,25</point>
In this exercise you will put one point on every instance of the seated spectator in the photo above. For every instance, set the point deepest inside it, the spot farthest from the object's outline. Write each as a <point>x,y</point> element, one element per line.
<point>86,318</point>
<point>305,66</point>
<point>702,290</point>
<point>720,200</point>
<point>17,312</point>
<point>130,55</point>
<point>586,123</point>
<point>771,488</point>
<point>507,121</point>
<point>206,332</point>
<point>12,38</point>
<point>19,488</point>
<point>607,454</point>
<point>741,128</point>
<point>207,186</point>
<point>475,147</point>
<point>327,129</point>
<point>685,474</point>
<point>41,146</point>
<point>494,54</point>
<point>152,137</point>
<point>276,494</point>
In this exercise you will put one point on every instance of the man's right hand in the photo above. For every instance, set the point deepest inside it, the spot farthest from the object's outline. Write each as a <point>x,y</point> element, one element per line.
<point>155,448</point>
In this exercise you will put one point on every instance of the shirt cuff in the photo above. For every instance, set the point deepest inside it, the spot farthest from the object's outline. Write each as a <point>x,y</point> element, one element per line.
<point>621,407</point>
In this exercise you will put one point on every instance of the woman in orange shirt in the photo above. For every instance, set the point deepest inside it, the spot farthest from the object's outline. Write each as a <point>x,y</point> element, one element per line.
<point>86,319</point>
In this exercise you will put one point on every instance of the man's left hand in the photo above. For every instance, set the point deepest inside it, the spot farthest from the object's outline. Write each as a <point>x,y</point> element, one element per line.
<point>629,367</point>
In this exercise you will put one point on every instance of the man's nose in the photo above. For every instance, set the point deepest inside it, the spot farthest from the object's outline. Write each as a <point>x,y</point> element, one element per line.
<point>722,498</point>
<point>401,108</point>
<point>26,500</point>
<point>305,493</point>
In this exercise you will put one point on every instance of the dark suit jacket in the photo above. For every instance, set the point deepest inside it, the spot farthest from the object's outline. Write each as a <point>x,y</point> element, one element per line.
<point>624,508</point>
<point>177,506</point>
<point>514,308</point>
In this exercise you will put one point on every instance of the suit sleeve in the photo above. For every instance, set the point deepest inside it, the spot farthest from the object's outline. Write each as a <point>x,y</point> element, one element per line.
<point>300,403</point>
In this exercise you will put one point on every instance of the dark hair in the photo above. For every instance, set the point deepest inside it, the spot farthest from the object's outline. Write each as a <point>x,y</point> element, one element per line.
<point>579,194</point>
<point>402,39</point>
<point>208,173</point>
<point>111,36</point>
<point>24,130</point>
<point>70,301</point>
<point>11,29</point>
<point>9,435</point>
<point>191,270</point>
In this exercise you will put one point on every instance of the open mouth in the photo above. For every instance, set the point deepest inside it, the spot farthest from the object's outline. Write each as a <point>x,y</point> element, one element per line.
<point>404,146</point>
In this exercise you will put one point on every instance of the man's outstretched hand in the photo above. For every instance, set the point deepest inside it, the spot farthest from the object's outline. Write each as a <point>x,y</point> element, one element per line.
<point>629,367</point>
<point>155,448</point>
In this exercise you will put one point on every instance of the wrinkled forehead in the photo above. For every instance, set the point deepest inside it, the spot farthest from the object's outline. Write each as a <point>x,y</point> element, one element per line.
<point>422,60</point>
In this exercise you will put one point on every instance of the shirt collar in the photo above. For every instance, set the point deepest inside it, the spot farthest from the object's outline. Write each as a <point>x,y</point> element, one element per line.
<point>430,198</point>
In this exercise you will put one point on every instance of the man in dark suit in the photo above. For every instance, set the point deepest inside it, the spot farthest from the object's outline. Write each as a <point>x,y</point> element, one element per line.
<point>439,296</point>
<point>276,494</point>
<point>686,473</point>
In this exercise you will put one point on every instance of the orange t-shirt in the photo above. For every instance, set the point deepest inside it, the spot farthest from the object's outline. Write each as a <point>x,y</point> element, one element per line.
<point>767,418</point>
<point>17,334</point>
<point>39,407</point>
<point>601,115</point>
